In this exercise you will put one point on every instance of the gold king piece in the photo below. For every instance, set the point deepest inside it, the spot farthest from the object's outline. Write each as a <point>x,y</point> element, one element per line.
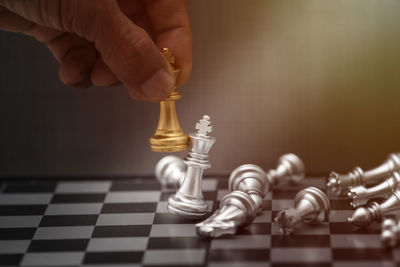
<point>169,136</point>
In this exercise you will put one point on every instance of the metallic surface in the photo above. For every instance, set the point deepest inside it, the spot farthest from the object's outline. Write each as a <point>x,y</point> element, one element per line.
<point>188,200</point>
<point>290,170</point>
<point>169,136</point>
<point>248,184</point>
<point>360,194</point>
<point>311,205</point>
<point>170,170</point>
<point>363,216</point>
<point>338,184</point>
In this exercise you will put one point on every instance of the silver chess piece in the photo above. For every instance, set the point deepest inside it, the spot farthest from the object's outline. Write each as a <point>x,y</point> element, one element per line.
<point>363,216</point>
<point>290,170</point>
<point>188,200</point>
<point>170,171</point>
<point>390,232</point>
<point>338,184</point>
<point>360,194</point>
<point>311,206</point>
<point>248,184</point>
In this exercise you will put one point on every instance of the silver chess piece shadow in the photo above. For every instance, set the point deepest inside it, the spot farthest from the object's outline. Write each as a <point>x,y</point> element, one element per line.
<point>248,184</point>
<point>311,205</point>
<point>338,184</point>
<point>188,201</point>
<point>390,232</point>
<point>363,216</point>
<point>360,194</point>
<point>170,171</point>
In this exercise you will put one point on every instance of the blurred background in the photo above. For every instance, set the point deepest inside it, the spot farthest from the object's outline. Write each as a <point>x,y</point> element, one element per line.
<point>317,78</point>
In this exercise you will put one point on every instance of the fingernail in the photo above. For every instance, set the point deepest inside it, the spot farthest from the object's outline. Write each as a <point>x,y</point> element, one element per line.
<point>159,85</point>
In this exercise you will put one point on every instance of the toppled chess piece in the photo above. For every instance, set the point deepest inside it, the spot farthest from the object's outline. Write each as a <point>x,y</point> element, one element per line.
<point>390,232</point>
<point>338,184</point>
<point>290,170</point>
<point>360,194</point>
<point>170,171</point>
<point>363,216</point>
<point>169,136</point>
<point>311,206</point>
<point>248,184</point>
<point>188,200</point>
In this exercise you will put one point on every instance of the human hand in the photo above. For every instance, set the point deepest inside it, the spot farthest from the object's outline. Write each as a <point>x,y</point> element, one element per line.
<point>105,42</point>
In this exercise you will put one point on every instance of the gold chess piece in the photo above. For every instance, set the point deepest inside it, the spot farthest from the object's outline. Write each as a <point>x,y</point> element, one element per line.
<point>169,136</point>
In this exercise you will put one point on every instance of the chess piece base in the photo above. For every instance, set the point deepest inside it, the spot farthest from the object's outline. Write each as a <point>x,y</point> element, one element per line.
<point>187,206</point>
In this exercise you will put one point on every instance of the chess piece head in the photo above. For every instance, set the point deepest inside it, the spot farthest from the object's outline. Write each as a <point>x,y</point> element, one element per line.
<point>333,184</point>
<point>170,170</point>
<point>394,162</point>
<point>290,170</point>
<point>358,196</point>
<point>317,199</point>
<point>361,217</point>
<point>169,136</point>
<point>201,140</point>
<point>338,184</point>
<point>248,178</point>
<point>252,180</point>
<point>311,206</point>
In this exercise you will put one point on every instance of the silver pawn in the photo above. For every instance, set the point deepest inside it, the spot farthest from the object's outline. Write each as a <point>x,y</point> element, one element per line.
<point>248,184</point>
<point>290,170</point>
<point>390,232</point>
<point>188,200</point>
<point>170,171</point>
<point>339,183</point>
<point>311,206</point>
<point>360,194</point>
<point>363,216</point>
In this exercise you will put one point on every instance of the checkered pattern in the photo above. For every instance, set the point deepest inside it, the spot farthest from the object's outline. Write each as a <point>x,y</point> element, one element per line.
<point>124,222</point>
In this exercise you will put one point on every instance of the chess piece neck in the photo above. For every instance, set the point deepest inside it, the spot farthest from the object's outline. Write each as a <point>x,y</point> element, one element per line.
<point>375,175</point>
<point>385,187</point>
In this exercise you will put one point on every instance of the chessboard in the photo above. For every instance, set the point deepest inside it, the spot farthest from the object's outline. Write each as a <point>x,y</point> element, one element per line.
<point>125,222</point>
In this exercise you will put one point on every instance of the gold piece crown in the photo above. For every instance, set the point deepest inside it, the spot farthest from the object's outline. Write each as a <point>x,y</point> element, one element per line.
<point>168,56</point>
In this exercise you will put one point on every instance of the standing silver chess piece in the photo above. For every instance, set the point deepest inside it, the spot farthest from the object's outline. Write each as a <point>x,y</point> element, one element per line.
<point>360,194</point>
<point>338,184</point>
<point>248,184</point>
<point>170,170</point>
<point>311,205</point>
<point>363,216</point>
<point>188,200</point>
<point>390,232</point>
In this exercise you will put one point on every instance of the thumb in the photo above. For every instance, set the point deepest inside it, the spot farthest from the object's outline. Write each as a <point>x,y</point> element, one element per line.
<point>125,48</point>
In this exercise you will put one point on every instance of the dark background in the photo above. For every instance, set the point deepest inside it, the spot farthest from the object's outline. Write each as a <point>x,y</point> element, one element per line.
<point>317,78</point>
